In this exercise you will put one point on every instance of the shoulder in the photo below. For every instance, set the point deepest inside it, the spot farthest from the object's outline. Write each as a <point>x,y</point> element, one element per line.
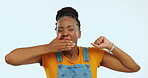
<point>47,55</point>
<point>97,53</point>
<point>95,50</point>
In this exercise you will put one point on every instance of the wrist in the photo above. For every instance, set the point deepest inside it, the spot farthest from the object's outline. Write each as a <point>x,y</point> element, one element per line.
<point>47,48</point>
<point>110,47</point>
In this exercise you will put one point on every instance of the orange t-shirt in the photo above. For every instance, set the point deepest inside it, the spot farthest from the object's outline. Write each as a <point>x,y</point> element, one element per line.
<point>50,63</point>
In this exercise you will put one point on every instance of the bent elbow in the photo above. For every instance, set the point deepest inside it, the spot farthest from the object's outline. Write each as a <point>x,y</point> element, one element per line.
<point>137,68</point>
<point>10,60</point>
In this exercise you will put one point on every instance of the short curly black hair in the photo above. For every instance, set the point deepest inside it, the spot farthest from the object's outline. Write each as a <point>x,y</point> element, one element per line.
<point>68,11</point>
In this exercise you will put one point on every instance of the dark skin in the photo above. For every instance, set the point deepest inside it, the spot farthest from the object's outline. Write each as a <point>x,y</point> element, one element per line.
<point>66,41</point>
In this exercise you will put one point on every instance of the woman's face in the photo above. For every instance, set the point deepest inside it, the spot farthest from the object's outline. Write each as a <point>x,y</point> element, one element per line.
<point>68,28</point>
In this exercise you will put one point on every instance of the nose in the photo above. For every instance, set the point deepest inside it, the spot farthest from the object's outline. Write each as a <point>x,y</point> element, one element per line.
<point>65,34</point>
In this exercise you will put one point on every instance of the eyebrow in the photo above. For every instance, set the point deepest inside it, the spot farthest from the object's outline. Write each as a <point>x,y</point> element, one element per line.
<point>66,27</point>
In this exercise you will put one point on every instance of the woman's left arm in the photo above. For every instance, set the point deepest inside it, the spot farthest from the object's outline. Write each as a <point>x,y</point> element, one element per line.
<point>118,60</point>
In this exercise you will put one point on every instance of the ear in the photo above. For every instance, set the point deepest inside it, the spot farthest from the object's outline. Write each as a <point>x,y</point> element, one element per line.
<point>79,34</point>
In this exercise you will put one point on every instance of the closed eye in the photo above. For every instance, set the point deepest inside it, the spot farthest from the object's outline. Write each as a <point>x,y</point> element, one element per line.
<point>70,29</point>
<point>60,30</point>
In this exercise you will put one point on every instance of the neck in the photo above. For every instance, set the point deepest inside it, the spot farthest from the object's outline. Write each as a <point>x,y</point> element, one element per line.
<point>72,54</point>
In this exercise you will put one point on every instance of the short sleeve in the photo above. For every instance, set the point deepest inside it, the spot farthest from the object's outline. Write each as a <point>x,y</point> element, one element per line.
<point>44,58</point>
<point>97,54</point>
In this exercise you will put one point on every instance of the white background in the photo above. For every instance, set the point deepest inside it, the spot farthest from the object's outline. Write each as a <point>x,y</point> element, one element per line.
<point>26,23</point>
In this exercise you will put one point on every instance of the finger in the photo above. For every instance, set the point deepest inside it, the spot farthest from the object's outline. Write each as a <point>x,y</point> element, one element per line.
<point>66,48</point>
<point>59,36</point>
<point>102,37</point>
<point>95,45</point>
<point>97,42</point>
<point>68,44</point>
<point>66,41</point>
<point>100,40</point>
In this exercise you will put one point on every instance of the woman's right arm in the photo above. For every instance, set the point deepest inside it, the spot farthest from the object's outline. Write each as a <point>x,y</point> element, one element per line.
<point>31,55</point>
<point>28,55</point>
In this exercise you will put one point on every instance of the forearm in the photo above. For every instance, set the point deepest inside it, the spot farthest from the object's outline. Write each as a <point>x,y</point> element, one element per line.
<point>24,55</point>
<point>125,59</point>
<point>33,54</point>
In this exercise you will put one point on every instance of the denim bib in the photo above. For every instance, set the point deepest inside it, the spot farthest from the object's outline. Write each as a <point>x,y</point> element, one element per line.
<point>74,71</point>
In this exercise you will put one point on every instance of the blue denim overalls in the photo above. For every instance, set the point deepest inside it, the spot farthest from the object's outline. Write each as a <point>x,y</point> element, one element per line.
<point>74,71</point>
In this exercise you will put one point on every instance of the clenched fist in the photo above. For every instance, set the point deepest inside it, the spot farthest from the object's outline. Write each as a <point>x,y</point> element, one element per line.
<point>102,42</point>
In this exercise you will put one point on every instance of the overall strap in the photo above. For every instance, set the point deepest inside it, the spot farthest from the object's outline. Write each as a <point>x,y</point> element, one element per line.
<point>85,51</point>
<point>59,56</point>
